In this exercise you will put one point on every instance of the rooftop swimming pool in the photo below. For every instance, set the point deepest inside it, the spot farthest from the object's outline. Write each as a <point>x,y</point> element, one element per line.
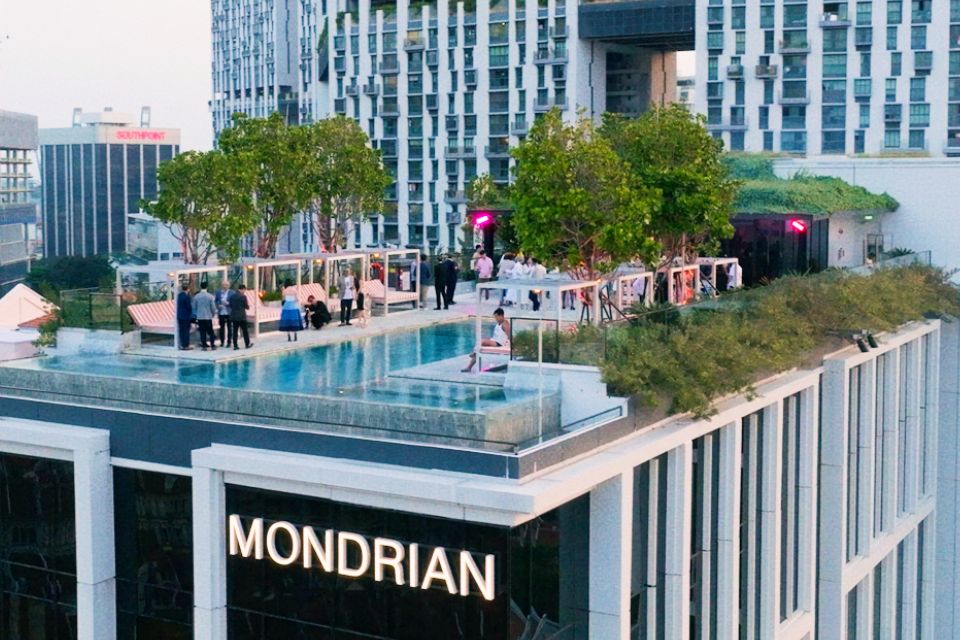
<point>356,369</point>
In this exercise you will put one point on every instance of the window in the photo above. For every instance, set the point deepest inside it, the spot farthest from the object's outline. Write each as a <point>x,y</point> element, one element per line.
<point>918,37</point>
<point>864,115</point>
<point>858,141</point>
<point>896,62</point>
<point>920,115</point>
<point>834,91</point>
<point>521,31</point>
<point>793,141</point>
<point>712,66</point>
<point>864,13</point>
<point>741,42</point>
<point>891,38</point>
<point>794,15</point>
<point>715,40</point>
<point>834,117</point>
<point>834,40</point>
<point>715,115</point>
<point>794,66</point>
<point>768,41</point>
<point>739,92</point>
<point>918,89</point>
<point>865,59</point>
<point>862,87</point>
<point>916,139</point>
<point>768,140</point>
<point>834,66</point>
<point>766,16</point>
<point>954,10</point>
<point>891,139</point>
<point>920,11</point>
<point>891,90</point>
<point>768,91</point>
<point>468,102</point>
<point>894,12</point>
<point>794,117</point>
<point>764,117</point>
<point>833,142</point>
<point>955,63</point>
<point>736,140</point>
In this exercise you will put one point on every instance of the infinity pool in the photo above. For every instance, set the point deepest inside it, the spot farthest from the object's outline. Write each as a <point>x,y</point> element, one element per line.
<point>323,370</point>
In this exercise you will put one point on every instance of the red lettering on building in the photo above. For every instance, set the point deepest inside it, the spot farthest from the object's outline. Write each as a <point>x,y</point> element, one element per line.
<point>134,134</point>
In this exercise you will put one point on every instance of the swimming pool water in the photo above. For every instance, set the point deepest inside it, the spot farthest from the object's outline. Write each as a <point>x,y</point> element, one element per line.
<point>323,370</point>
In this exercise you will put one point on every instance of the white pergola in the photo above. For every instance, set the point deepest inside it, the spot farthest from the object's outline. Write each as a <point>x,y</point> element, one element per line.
<point>622,282</point>
<point>714,264</point>
<point>556,287</point>
<point>683,282</point>
<point>385,255</point>
<point>254,266</point>
<point>328,260</point>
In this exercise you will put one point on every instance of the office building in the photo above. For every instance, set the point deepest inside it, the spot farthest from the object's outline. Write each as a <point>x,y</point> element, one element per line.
<point>18,212</point>
<point>95,173</point>
<point>445,89</point>
<point>414,508</point>
<point>822,78</point>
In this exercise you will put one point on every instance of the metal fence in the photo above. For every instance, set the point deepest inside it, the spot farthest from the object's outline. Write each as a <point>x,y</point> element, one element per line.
<point>95,309</point>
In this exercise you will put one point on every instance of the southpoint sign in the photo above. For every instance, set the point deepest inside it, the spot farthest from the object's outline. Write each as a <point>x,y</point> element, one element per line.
<point>390,560</point>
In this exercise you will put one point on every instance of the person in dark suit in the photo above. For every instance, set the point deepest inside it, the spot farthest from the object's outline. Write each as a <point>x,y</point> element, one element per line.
<point>238,317</point>
<point>184,318</point>
<point>439,281</point>
<point>451,271</point>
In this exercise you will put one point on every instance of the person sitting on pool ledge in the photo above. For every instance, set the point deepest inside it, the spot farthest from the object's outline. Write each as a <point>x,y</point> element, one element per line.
<point>500,337</point>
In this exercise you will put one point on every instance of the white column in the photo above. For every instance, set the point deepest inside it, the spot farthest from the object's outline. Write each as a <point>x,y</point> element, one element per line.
<point>96,566</point>
<point>209,555</point>
<point>611,537</point>
<point>807,497</point>
<point>891,440</point>
<point>908,602</point>
<point>912,426</point>
<point>831,600</point>
<point>769,519</point>
<point>888,597</point>
<point>866,433</point>
<point>677,561</point>
<point>948,483</point>
<point>728,534</point>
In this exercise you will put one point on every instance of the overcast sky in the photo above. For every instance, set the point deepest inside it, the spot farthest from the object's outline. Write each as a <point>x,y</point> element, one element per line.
<point>59,54</point>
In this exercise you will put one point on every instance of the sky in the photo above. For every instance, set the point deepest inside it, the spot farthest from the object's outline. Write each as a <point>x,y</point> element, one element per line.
<point>59,54</point>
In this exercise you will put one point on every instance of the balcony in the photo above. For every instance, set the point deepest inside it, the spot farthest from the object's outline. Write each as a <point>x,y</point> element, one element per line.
<point>518,128</point>
<point>371,89</point>
<point>862,88</point>
<point>454,217</point>
<point>863,37</point>
<point>733,124</point>
<point>497,151</point>
<point>549,56</point>
<point>803,98</point>
<point>340,105</point>
<point>454,152</point>
<point>388,148</point>
<point>834,21</point>
<point>351,90</point>
<point>794,46</point>
<point>455,196</point>
<point>432,102</point>
<point>433,58</point>
<point>952,147</point>
<point>923,61</point>
<point>558,32</point>
<point>389,66</point>
<point>340,64</point>
<point>767,71</point>
<point>470,78</point>
<point>414,44</point>
<point>389,109</point>
<point>339,43</point>
<point>735,71</point>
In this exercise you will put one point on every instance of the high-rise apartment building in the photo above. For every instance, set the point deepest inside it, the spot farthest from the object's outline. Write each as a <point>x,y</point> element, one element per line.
<point>831,77</point>
<point>94,175</point>
<point>254,66</point>
<point>445,89</point>
<point>18,213</point>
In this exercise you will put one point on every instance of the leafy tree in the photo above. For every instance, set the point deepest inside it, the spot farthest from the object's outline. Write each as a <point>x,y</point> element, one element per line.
<point>280,160</point>
<point>346,178</point>
<point>576,205</point>
<point>205,199</point>
<point>669,149</point>
<point>52,275</point>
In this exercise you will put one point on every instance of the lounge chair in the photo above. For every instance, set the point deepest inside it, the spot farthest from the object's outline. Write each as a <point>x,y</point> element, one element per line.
<point>267,314</point>
<point>155,317</point>
<point>376,293</point>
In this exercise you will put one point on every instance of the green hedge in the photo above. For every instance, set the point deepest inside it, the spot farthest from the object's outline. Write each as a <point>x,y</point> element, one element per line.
<point>763,192</point>
<point>705,354</point>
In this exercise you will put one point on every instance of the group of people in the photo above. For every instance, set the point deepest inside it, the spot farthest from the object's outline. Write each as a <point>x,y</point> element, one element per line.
<point>518,267</point>
<point>443,275</point>
<point>315,313</point>
<point>228,305</point>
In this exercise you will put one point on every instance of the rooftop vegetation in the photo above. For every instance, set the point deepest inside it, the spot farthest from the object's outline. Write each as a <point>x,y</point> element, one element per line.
<point>686,361</point>
<point>762,192</point>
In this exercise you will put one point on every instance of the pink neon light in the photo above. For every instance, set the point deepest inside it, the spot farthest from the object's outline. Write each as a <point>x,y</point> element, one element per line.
<point>482,220</point>
<point>798,225</point>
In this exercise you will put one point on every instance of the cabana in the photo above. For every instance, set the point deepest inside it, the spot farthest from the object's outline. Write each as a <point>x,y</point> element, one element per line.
<point>161,316</point>
<point>556,287</point>
<point>377,286</point>
<point>682,282</point>
<point>629,287</point>
<point>253,267</point>
<point>726,269</point>
<point>328,261</point>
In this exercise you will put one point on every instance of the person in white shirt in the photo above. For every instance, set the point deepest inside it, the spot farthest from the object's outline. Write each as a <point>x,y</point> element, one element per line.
<point>500,337</point>
<point>505,272</point>
<point>537,272</point>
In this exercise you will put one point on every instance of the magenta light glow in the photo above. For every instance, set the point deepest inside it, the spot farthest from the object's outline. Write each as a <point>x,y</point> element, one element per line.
<point>798,225</point>
<point>482,220</point>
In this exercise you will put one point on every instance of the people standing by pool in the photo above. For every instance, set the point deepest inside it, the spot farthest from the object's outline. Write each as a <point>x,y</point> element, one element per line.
<point>316,313</point>
<point>422,274</point>
<point>500,337</point>
<point>504,272</point>
<point>222,300</point>
<point>348,292</point>
<point>484,271</point>
<point>439,281</point>
<point>451,272</point>
<point>290,312</point>
<point>363,312</point>
<point>238,317</point>
<point>184,318</point>
<point>204,309</point>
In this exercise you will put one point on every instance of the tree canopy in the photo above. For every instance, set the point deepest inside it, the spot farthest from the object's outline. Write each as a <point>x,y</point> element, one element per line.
<point>280,160</point>
<point>669,149</point>
<point>345,177</point>
<point>206,201</point>
<point>576,204</point>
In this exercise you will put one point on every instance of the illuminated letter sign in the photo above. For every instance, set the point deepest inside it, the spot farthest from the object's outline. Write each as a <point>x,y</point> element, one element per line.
<point>139,134</point>
<point>353,555</point>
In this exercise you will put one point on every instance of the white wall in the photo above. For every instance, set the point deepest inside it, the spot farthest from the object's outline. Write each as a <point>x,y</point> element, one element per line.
<point>928,190</point>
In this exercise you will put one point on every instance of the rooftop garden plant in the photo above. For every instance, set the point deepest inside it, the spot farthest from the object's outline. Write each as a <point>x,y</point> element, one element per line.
<point>762,192</point>
<point>701,355</point>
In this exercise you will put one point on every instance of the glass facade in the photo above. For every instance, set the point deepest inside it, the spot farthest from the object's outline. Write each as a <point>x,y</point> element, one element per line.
<point>154,543</point>
<point>540,578</point>
<point>38,565</point>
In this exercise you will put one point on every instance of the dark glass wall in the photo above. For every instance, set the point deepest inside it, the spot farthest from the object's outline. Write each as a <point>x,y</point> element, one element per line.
<point>118,202</point>
<point>60,189</point>
<point>49,200</point>
<point>154,542</point>
<point>102,196</point>
<point>768,247</point>
<point>134,175</point>
<point>150,172</point>
<point>76,199</point>
<point>38,567</point>
<point>541,578</point>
